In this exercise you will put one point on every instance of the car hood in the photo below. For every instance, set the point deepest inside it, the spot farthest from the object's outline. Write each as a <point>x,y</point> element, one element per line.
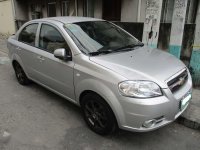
<point>142,64</point>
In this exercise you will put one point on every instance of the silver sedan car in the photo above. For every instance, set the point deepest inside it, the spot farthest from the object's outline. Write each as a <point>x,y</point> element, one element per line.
<point>116,80</point>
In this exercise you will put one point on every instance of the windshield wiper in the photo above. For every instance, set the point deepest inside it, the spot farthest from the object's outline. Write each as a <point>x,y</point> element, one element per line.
<point>124,48</point>
<point>100,52</point>
<point>128,47</point>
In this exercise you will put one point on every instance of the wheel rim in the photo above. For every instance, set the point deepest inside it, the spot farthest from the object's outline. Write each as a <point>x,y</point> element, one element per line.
<point>19,73</point>
<point>96,114</point>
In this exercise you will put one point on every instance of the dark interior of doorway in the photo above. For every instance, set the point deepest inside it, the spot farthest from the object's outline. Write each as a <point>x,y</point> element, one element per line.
<point>112,10</point>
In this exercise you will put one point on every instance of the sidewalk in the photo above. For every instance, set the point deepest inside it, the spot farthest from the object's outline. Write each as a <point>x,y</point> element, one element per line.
<point>3,46</point>
<point>190,118</point>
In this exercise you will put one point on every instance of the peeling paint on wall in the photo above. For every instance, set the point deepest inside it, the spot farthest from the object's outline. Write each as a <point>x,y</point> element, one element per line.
<point>152,22</point>
<point>178,21</point>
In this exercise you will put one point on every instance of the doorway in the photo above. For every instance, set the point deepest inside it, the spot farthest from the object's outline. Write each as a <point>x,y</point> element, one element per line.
<point>112,10</point>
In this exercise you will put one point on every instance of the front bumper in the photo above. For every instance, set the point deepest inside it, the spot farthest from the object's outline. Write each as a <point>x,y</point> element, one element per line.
<point>164,109</point>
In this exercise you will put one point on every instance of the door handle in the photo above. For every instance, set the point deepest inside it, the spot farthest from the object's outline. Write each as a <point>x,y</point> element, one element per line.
<point>40,58</point>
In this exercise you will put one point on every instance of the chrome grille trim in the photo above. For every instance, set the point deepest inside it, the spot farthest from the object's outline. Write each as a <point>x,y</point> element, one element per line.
<point>176,83</point>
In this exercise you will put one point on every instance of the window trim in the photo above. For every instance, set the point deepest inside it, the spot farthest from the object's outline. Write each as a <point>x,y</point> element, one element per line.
<point>35,34</point>
<point>38,38</point>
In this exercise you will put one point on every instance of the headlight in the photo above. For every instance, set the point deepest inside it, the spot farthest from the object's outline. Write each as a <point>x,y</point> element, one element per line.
<point>140,89</point>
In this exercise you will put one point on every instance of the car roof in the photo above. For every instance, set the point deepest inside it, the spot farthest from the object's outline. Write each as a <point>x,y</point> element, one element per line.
<point>69,19</point>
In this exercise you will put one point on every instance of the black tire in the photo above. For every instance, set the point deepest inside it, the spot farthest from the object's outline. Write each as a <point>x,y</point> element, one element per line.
<point>98,114</point>
<point>20,74</point>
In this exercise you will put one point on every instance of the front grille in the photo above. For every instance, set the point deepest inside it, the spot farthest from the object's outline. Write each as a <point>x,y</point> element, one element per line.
<point>176,83</point>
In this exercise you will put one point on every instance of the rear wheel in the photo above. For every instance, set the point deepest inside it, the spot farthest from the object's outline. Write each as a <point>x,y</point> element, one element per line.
<point>20,74</point>
<point>98,114</point>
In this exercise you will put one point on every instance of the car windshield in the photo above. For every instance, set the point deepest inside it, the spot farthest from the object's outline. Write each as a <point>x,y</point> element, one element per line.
<point>98,37</point>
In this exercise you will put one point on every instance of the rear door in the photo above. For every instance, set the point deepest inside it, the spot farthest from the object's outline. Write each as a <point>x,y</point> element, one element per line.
<point>25,47</point>
<point>54,73</point>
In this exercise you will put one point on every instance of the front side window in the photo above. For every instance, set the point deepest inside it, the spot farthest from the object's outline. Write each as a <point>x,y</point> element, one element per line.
<point>28,34</point>
<point>50,39</point>
<point>100,37</point>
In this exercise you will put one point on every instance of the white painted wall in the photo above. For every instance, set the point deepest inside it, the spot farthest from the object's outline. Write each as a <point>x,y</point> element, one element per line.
<point>152,22</point>
<point>178,21</point>
<point>7,24</point>
<point>143,10</point>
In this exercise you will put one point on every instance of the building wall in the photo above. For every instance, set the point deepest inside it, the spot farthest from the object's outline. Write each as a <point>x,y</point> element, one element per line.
<point>7,25</point>
<point>72,11</point>
<point>44,8</point>
<point>80,8</point>
<point>22,9</point>
<point>143,10</point>
<point>98,9</point>
<point>129,10</point>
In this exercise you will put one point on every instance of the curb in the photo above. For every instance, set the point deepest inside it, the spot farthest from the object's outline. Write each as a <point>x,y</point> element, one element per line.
<point>188,123</point>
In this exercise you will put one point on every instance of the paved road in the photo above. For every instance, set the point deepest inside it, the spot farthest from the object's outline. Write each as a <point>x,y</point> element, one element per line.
<point>37,119</point>
<point>3,46</point>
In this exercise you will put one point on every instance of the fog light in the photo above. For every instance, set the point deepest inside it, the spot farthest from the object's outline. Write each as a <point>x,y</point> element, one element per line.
<point>149,123</point>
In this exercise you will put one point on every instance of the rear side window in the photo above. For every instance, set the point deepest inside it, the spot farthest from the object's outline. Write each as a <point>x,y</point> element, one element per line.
<point>28,34</point>
<point>50,39</point>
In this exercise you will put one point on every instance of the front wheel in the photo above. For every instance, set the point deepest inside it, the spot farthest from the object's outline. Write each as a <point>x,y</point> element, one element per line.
<point>98,114</point>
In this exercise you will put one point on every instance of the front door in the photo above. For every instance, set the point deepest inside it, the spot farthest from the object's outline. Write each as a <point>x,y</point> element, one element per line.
<point>54,73</point>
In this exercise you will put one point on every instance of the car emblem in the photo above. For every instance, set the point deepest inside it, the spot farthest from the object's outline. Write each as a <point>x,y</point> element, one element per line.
<point>181,81</point>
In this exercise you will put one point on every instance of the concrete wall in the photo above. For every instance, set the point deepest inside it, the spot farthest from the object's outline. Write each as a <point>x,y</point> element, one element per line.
<point>58,8</point>
<point>72,11</point>
<point>21,10</point>
<point>7,25</point>
<point>164,36</point>
<point>167,11</point>
<point>191,11</point>
<point>44,8</point>
<point>80,8</point>
<point>195,58</point>
<point>142,10</point>
<point>98,9</point>
<point>129,10</point>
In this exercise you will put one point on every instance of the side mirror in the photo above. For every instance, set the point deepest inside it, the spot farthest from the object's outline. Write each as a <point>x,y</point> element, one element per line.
<point>61,54</point>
